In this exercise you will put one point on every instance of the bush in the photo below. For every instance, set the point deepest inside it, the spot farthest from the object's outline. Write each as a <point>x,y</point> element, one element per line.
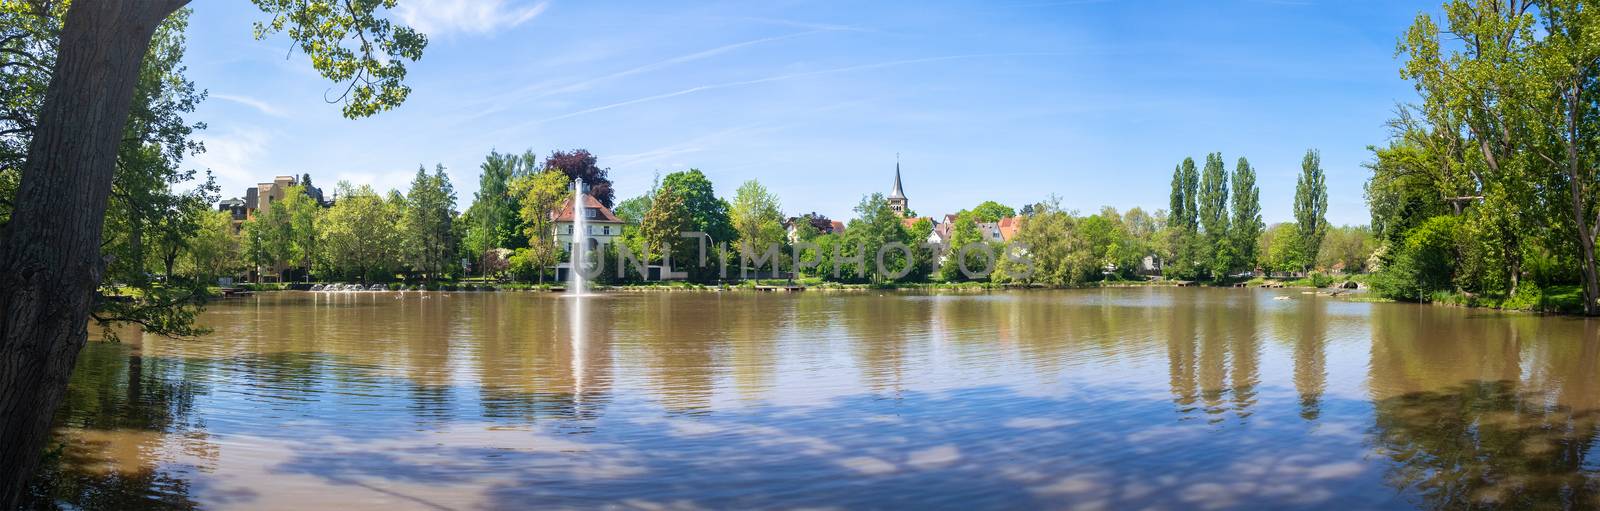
<point>1424,264</point>
<point>1320,280</point>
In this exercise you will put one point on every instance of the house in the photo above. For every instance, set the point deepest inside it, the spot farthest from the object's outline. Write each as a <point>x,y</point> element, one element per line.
<point>912,220</point>
<point>792,226</point>
<point>990,231</point>
<point>604,226</point>
<point>261,196</point>
<point>1008,227</point>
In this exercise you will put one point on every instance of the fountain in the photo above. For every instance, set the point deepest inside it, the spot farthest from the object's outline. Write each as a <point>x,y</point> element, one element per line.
<point>576,284</point>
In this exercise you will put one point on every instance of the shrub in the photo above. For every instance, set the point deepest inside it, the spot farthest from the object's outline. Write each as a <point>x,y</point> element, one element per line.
<point>1424,264</point>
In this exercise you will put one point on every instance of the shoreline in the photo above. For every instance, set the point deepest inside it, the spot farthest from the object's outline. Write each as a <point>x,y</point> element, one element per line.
<point>1361,294</point>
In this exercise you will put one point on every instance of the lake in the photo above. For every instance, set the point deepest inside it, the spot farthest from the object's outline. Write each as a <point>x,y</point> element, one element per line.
<point>1158,398</point>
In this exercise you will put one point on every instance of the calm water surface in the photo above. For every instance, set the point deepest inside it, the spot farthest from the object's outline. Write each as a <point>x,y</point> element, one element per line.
<point>1118,399</point>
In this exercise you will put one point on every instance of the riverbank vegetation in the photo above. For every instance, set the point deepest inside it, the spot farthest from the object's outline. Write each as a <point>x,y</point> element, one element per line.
<point>1487,193</point>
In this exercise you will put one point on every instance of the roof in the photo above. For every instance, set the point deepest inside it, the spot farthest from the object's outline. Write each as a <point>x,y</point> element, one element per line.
<point>897,193</point>
<point>838,226</point>
<point>912,220</point>
<point>564,213</point>
<point>1009,226</point>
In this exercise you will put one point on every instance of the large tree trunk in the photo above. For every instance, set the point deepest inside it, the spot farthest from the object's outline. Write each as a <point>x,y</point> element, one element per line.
<point>1591,277</point>
<point>50,259</point>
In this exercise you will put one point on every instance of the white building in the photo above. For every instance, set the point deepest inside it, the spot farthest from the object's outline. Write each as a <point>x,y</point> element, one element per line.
<point>604,226</point>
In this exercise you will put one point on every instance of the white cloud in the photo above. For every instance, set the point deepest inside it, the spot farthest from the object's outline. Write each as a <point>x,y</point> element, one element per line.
<point>262,106</point>
<point>440,17</point>
<point>234,158</point>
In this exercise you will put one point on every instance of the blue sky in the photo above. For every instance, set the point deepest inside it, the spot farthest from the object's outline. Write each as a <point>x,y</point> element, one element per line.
<point>1004,100</point>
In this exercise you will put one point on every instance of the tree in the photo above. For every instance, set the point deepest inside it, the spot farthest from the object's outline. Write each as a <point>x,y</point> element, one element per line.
<point>171,232</point>
<point>1279,248</point>
<point>1501,123</point>
<point>300,213</point>
<point>991,211</point>
<point>1346,248</point>
<point>877,225</point>
<point>493,214</point>
<point>659,231</point>
<point>579,164</point>
<point>708,213</point>
<point>963,232</point>
<point>1246,227</point>
<point>1059,254</point>
<point>1310,208</point>
<point>1184,257</point>
<point>213,249</point>
<point>1213,202</point>
<point>359,235</point>
<point>426,228</point>
<point>691,205</point>
<point>538,196</point>
<point>49,248</point>
<point>1567,120</point>
<point>757,219</point>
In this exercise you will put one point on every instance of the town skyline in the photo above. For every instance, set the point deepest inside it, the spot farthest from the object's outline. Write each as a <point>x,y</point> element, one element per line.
<point>817,108</point>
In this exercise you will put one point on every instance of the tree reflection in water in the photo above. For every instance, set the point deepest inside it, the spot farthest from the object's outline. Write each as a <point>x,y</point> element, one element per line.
<point>728,400</point>
<point>1483,444</point>
<point>118,405</point>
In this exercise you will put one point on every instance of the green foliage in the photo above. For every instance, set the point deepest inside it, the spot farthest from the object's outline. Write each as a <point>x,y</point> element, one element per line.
<point>352,42</point>
<point>1060,254</point>
<point>494,221</point>
<point>1279,248</point>
<point>1347,249</point>
<point>875,226</point>
<point>963,232</point>
<point>1310,207</point>
<point>1424,264</point>
<point>669,216</point>
<point>1500,139</point>
<point>756,217</point>
<point>1245,229</point>
<point>707,213</point>
<point>990,211</point>
<point>213,250</point>
<point>538,196</point>
<point>1187,256</point>
<point>426,230</point>
<point>359,235</point>
<point>301,212</point>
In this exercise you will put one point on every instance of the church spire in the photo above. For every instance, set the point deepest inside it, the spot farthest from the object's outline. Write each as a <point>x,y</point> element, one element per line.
<point>898,192</point>
<point>897,196</point>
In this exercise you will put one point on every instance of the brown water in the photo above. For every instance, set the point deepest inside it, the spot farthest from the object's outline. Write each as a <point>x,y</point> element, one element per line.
<point>1118,398</point>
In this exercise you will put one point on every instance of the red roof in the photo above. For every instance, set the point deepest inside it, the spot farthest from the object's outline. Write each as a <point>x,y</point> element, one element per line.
<point>910,221</point>
<point>564,213</point>
<point>838,226</point>
<point>1008,227</point>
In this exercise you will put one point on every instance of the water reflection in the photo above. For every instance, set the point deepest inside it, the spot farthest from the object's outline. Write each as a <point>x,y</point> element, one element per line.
<point>1133,398</point>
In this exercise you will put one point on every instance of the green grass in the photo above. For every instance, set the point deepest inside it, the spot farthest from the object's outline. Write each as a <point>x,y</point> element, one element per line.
<point>1556,299</point>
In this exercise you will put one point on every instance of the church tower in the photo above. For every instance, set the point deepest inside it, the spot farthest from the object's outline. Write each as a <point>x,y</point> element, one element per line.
<point>897,197</point>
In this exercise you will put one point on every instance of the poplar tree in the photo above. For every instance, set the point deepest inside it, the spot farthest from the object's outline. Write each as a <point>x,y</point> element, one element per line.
<point>1310,208</point>
<point>1184,221</point>
<point>1245,231</point>
<point>1216,250</point>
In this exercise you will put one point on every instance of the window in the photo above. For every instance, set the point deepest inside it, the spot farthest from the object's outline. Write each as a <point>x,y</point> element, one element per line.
<point>569,228</point>
<point>591,213</point>
<point>606,230</point>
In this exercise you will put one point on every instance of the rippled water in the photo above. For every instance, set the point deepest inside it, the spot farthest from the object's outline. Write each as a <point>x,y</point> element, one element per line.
<point>1119,398</point>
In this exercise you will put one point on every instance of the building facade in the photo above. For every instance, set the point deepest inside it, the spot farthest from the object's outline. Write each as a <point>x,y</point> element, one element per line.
<point>604,226</point>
